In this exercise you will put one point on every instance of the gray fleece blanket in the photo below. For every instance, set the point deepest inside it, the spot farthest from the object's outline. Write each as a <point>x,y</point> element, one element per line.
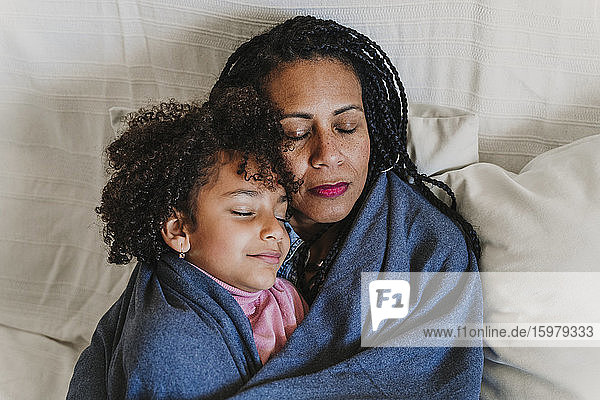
<point>175,333</point>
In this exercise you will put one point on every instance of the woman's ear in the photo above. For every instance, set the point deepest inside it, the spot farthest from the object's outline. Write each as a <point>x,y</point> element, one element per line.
<point>174,235</point>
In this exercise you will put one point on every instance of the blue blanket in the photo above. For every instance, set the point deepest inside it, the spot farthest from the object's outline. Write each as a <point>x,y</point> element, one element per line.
<point>175,333</point>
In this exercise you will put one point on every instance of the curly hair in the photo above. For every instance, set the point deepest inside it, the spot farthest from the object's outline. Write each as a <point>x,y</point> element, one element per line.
<point>169,151</point>
<point>384,99</point>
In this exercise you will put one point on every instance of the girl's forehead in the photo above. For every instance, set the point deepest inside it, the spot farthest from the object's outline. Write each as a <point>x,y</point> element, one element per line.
<point>228,183</point>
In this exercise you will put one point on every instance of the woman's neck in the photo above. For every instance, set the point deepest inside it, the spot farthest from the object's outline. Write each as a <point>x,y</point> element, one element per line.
<point>321,236</point>
<point>321,246</point>
<point>308,229</point>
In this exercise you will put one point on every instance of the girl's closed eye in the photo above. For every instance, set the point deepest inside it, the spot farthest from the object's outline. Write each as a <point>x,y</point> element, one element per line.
<point>282,218</point>
<point>240,213</point>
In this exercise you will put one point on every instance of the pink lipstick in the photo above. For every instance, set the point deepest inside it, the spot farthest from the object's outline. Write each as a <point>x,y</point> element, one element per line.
<point>330,191</point>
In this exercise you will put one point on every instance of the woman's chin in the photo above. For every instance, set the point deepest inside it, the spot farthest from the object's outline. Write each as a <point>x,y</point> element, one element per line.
<point>329,215</point>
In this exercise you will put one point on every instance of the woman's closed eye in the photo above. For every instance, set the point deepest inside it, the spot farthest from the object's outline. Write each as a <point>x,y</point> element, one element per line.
<point>297,134</point>
<point>346,127</point>
<point>296,128</point>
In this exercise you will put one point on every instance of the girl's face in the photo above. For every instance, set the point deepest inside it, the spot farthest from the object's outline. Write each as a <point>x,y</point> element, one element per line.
<point>323,115</point>
<point>240,237</point>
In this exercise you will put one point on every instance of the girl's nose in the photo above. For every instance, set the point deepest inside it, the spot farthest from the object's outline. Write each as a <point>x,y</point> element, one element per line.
<point>272,229</point>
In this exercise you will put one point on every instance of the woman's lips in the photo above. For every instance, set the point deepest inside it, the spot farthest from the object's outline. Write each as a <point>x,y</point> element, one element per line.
<point>268,257</point>
<point>329,191</point>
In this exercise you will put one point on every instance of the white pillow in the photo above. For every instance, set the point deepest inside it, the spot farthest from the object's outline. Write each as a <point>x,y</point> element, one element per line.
<point>544,219</point>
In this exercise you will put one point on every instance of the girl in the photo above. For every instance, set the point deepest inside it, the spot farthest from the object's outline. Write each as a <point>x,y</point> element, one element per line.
<point>197,196</point>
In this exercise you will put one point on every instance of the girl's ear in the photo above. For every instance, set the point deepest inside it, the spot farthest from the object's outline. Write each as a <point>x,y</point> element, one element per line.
<point>174,235</point>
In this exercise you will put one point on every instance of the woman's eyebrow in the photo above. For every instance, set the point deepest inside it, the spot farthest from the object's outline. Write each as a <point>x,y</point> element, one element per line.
<point>297,115</point>
<point>336,112</point>
<point>283,199</point>
<point>347,108</point>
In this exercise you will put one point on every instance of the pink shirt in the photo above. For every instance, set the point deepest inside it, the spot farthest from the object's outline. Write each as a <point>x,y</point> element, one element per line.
<point>273,313</point>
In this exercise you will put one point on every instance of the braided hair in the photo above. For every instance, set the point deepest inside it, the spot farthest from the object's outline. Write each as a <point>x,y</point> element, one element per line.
<point>383,95</point>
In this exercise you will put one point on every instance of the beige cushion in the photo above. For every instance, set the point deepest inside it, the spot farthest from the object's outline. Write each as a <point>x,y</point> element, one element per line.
<point>35,366</point>
<point>441,138</point>
<point>544,219</point>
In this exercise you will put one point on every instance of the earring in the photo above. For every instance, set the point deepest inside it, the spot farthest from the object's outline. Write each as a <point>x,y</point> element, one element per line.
<point>181,252</point>
<point>396,162</point>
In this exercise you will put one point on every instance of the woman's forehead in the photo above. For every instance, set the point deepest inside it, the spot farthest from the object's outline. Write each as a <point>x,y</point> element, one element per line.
<point>306,83</point>
<point>325,68</point>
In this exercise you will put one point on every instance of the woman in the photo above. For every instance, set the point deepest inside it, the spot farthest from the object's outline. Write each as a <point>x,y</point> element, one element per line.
<point>362,207</point>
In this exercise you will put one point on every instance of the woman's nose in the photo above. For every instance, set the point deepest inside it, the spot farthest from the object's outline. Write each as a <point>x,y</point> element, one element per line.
<point>325,149</point>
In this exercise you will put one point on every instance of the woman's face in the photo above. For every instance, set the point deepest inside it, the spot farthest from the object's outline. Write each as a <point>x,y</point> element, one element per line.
<point>324,117</point>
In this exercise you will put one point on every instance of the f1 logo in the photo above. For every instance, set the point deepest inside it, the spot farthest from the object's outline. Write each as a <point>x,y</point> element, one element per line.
<point>388,300</point>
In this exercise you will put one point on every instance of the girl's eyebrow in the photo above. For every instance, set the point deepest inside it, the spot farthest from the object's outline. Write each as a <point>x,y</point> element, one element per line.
<point>241,192</point>
<point>251,193</point>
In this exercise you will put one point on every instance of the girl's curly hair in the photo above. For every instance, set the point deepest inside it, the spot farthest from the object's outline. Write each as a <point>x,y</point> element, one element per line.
<point>169,151</point>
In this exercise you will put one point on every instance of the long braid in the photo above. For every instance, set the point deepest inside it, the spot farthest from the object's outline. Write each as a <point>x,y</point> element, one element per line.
<point>384,100</point>
<point>409,169</point>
